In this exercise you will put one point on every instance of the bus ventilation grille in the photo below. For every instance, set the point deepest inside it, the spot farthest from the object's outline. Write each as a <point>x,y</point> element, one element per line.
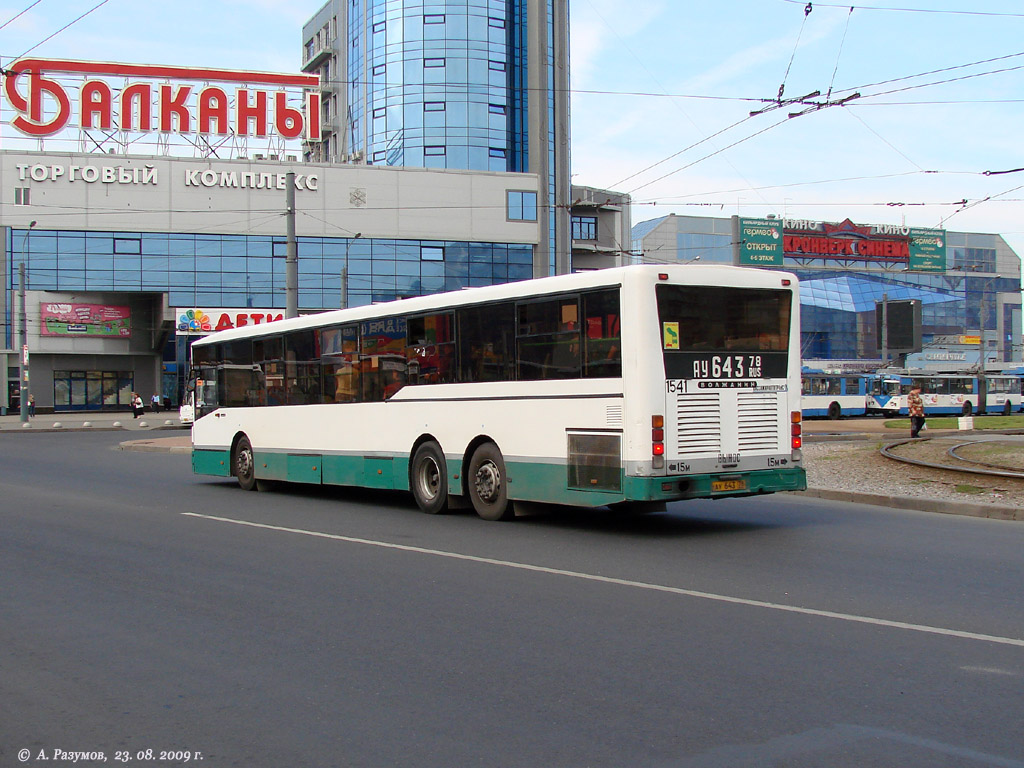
<point>698,423</point>
<point>758,421</point>
<point>613,416</point>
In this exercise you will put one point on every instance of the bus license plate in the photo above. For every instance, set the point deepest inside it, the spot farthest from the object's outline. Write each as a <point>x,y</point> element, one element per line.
<point>722,486</point>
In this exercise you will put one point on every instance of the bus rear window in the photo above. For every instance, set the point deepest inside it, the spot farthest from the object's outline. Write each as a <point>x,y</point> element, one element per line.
<point>720,333</point>
<point>723,319</point>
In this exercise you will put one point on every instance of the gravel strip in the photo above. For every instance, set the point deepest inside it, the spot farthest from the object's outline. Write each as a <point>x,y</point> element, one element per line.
<point>858,467</point>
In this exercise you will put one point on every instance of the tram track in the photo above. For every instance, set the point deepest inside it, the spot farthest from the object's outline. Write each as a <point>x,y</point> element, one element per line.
<point>964,465</point>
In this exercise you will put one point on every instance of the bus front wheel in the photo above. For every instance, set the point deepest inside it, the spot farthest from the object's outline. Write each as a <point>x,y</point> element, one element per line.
<point>488,484</point>
<point>1007,408</point>
<point>968,409</point>
<point>428,478</point>
<point>243,464</point>
<point>834,411</point>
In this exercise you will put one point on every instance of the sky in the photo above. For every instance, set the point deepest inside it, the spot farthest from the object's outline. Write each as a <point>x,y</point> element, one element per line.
<point>663,92</point>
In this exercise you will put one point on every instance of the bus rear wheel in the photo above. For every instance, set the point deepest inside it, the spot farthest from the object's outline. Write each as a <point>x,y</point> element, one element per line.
<point>488,484</point>
<point>834,411</point>
<point>1007,408</point>
<point>968,409</point>
<point>428,478</point>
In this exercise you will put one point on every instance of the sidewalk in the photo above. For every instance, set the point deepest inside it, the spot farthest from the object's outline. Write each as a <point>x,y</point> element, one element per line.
<point>78,420</point>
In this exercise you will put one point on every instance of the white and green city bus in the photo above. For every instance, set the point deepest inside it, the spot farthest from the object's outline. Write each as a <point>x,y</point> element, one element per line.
<point>630,386</point>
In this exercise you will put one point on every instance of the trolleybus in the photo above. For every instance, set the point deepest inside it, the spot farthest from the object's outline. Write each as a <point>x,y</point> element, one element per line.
<point>960,393</point>
<point>641,384</point>
<point>834,395</point>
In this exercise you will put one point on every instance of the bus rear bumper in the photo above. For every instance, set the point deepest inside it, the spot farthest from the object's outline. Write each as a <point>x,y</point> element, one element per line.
<point>713,486</point>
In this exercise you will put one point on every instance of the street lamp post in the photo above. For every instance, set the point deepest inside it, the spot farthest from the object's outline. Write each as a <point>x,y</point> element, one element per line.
<point>23,383</point>
<point>344,270</point>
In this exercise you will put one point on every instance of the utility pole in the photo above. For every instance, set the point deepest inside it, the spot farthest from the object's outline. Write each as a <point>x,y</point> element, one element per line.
<point>885,330</point>
<point>291,275</point>
<point>982,382</point>
<point>344,270</point>
<point>23,344</point>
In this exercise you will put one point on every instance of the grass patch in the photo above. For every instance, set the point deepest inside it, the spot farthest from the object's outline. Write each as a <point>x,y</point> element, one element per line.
<point>972,490</point>
<point>950,422</point>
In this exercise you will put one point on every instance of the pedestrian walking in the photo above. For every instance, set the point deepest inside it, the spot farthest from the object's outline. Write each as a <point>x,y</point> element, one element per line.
<point>31,405</point>
<point>155,400</point>
<point>915,407</point>
<point>137,405</point>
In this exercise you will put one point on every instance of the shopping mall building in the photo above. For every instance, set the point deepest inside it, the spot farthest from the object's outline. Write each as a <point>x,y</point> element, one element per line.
<point>968,284</point>
<point>147,204</point>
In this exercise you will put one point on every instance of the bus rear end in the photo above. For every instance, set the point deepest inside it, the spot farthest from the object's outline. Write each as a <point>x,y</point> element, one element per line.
<point>729,422</point>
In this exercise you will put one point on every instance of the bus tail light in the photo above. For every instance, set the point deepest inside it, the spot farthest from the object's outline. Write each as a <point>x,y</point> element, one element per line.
<point>658,441</point>
<point>796,429</point>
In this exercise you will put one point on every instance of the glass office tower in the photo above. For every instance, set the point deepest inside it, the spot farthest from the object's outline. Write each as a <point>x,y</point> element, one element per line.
<point>477,85</point>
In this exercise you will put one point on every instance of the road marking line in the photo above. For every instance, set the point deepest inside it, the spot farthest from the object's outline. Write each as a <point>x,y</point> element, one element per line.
<point>628,583</point>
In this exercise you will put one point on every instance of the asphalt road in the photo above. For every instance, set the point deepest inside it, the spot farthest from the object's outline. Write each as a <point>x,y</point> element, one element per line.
<point>340,628</point>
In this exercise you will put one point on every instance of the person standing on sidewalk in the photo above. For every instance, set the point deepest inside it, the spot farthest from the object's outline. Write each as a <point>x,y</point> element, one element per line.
<point>915,407</point>
<point>31,405</point>
<point>155,400</point>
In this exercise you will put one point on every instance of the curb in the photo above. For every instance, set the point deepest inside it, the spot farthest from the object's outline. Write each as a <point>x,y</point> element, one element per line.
<point>940,506</point>
<point>152,446</point>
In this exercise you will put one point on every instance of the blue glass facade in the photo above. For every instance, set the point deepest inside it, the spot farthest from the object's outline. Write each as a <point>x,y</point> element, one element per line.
<point>838,302</point>
<point>438,85</point>
<point>249,271</point>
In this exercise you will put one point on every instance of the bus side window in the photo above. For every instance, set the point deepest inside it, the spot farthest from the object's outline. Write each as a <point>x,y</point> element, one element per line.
<point>339,361</point>
<point>268,354</point>
<point>602,342</point>
<point>548,339</point>
<point>302,368</point>
<point>485,342</point>
<point>430,355</point>
<point>382,365</point>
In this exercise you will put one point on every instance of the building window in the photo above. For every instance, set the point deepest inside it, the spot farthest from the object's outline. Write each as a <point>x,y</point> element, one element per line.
<point>496,66</point>
<point>379,70</point>
<point>495,22</point>
<point>127,245</point>
<point>522,206</point>
<point>433,106</point>
<point>433,63</point>
<point>431,253</point>
<point>379,112</point>
<point>433,18</point>
<point>496,152</point>
<point>379,27</point>
<point>22,196</point>
<point>433,150</point>
<point>584,227</point>
<point>496,109</point>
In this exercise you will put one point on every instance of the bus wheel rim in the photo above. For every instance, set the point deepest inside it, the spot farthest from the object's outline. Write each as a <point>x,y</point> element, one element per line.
<point>245,463</point>
<point>487,482</point>
<point>429,478</point>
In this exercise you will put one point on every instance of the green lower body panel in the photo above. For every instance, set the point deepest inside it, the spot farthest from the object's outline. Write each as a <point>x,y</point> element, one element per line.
<point>206,461</point>
<point>527,481</point>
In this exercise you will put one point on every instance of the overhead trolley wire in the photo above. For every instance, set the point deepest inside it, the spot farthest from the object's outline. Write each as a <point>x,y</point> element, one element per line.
<point>782,87</point>
<point>846,29</point>
<point>20,13</point>
<point>70,23</point>
<point>911,10</point>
